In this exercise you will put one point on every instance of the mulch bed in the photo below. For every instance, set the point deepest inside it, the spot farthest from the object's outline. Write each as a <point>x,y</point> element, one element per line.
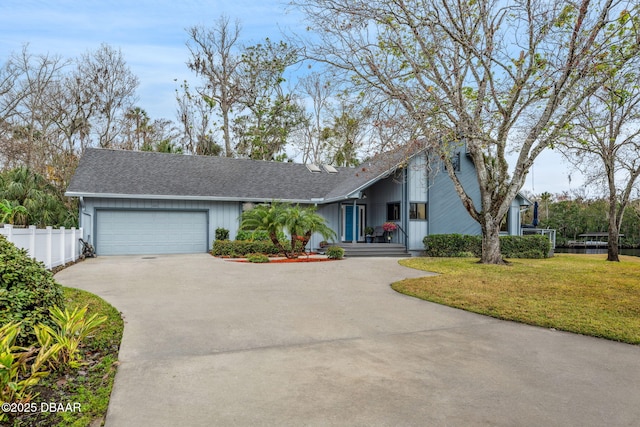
<point>283,260</point>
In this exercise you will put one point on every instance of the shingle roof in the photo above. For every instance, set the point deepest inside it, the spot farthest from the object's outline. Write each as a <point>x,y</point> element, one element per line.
<point>119,173</point>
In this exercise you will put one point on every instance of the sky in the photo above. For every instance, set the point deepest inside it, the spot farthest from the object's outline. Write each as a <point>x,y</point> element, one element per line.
<point>152,34</point>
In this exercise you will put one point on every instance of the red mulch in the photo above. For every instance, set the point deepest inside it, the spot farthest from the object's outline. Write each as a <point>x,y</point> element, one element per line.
<point>285,260</point>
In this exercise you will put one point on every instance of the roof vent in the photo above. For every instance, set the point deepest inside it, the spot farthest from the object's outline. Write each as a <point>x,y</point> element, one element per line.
<point>330,169</point>
<point>313,168</point>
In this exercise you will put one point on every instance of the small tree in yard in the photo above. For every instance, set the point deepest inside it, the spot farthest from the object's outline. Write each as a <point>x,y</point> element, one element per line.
<point>604,143</point>
<point>300,222</point>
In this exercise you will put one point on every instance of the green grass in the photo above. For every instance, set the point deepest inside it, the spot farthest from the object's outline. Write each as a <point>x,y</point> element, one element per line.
<point>90,385</point>
<point>583,294</point>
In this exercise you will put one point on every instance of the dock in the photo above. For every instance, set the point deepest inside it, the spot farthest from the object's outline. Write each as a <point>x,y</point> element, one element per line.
<point>591,240</point>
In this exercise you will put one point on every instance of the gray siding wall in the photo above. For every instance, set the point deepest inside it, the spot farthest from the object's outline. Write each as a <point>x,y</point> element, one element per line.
<point>446,212</point>
<point>513,218</point>
<point>331,213</point>
<point>221,214</point>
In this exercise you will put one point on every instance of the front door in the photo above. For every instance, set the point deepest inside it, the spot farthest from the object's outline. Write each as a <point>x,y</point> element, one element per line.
<point>353,228</point>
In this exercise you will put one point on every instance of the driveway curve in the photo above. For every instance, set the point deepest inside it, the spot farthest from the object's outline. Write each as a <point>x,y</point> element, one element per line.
<point>209,342</point>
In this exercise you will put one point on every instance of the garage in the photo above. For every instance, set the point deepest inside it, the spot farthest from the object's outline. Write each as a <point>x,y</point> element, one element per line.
<point>137,232</point>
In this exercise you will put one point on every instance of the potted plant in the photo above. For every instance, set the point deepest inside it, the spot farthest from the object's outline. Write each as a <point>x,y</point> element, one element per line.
<point>368,231</point>
<point>389,228</point>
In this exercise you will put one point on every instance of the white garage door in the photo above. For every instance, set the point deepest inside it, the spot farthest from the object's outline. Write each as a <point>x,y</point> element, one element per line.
<point>136,232</point>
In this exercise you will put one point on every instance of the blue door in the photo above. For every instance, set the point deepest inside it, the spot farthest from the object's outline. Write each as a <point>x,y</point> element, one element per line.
<point>348,226</point>
<point>350,234</point>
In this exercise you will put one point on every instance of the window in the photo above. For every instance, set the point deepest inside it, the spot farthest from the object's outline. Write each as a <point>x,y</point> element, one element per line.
<point>393,211</point>
<point>418,210</point>
<point>455,161</point>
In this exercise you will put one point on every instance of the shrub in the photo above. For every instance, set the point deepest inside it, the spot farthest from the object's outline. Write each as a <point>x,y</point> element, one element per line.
<point>70,331</point>
<point>222,233</point>
<point>238,248</point>
<point>458,245</point>
<point>20,368</point>
<point>335,252</point>
<point>257,235</point>
<point>452,245</point>
<point>257,258</point>
<point>27,291</point>
<point>533,246</point>
<point>243,247</point>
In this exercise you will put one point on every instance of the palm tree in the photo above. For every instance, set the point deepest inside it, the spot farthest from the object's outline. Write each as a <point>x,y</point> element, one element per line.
<point>43,203</point>
<point>10,211</point>
<point>546,198</point>
<point>301,223</point>
<point>267,218</point>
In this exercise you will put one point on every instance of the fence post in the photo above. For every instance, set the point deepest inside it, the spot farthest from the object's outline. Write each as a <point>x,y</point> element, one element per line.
<point>32,241</point>
<point>49,247</point>
<point>73,244</point>
<point>63,248</point>
<point>9,227</point>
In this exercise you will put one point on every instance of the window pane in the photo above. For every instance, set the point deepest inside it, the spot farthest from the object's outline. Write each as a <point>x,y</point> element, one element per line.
<point>422,211</point>
<point>418,211</point>
<point>393,211</point>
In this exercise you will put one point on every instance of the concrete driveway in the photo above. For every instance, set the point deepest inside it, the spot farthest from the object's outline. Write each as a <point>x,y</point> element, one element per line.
<point>215,343</point>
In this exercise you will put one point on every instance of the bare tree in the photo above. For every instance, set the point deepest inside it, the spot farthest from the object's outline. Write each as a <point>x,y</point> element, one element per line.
<point>50,110</point>
<point>28,121</point>
<point>485,76</point>
<point>109,88</point>
<point>196,117</point>
<point>214,57</point>
<point>604,143</point>
<point>319,90</point>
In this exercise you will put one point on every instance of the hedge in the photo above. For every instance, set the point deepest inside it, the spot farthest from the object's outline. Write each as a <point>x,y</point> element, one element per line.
<point>459,245</point>
<point>257,235</point>
<point>241,248</point>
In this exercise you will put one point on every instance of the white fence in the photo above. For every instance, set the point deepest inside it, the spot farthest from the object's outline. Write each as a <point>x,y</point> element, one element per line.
<point>53,247</point>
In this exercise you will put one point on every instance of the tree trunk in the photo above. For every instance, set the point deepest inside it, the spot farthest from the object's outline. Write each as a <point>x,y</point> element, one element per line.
<point>612,246</point>
<point>491,241</point>
<point>226,133</point>
<point>294,242</point>
<point>274,239</point>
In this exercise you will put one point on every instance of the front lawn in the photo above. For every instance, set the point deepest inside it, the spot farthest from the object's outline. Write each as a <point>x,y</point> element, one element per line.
<point>577,293</point>
<point>90,385</point>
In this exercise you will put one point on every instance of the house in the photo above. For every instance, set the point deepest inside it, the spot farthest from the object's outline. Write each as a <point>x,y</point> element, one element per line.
<point>135,202</point>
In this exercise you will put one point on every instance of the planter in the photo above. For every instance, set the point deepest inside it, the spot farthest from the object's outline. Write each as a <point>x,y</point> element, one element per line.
<point>369,239</point>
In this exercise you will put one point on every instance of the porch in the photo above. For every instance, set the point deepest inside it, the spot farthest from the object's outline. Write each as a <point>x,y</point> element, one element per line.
<point>374,250</point>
